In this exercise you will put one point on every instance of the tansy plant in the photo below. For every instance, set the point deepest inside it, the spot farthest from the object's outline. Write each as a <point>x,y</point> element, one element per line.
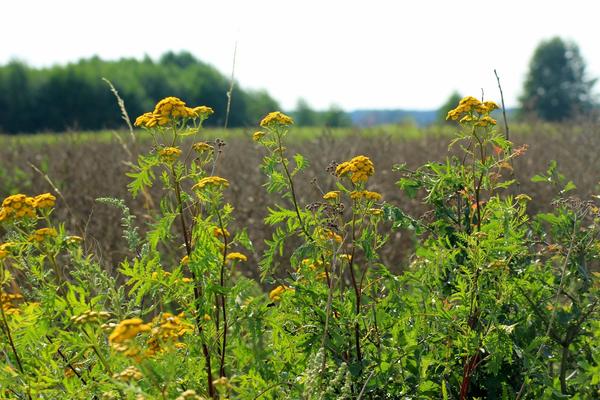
<point>496,302</point>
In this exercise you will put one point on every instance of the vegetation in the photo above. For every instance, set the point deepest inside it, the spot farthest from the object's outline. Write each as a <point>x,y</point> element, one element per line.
<point>497,302</point>
<point>557,87</point>
<point>75,97</point>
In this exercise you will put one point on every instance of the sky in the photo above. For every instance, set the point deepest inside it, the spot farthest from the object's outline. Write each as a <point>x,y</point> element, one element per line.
<point>353,54</point>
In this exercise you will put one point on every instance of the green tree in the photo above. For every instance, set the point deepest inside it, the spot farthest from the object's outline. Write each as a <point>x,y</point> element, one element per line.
<point>335,117</point>
<point>557,87</point>
<point>304,115</point>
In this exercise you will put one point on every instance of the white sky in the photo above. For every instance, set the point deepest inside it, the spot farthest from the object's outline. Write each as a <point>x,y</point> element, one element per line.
<point>356,54</point>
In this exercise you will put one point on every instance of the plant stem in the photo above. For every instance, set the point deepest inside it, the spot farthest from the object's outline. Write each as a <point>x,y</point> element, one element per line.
<point>223,299</point>
<point>197,288</point>
<point>292,190</point>
<point>356,288</point>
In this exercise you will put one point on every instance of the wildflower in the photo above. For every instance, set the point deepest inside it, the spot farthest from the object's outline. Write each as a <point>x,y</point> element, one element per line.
<point>169,154</point>
<point>211,181</point>
<point>360,168</point>
<point>333,195</point>
<point>189,395</point>
<point>237,256</point>
<point>222,382</point>
<point>203,111</point>
<point>70,240</point>
<point>490,106</point>
<point>206,317</point>
<point>328,234</point>
<point>187,280</point>
<point>89,316</point>
<point>201,146</point>
<point>45,200</point>
<point>218,232</point>
<point>185,260</point>
<point>4,251</point>
<point>256,136</point>
<point>275,294</point>
<point>149,120</point>
<point>365,194</point>
<point>486,121</point>
<point>42,234</point>
<point>7,300</point>
<point>167,328</point>
<point>128,374</point>
<point>18,206</point>
<point>127,330</point>
<point>276,118</point>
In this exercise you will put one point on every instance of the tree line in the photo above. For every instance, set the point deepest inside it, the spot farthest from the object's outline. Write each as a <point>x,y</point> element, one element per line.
<point>73,96</point>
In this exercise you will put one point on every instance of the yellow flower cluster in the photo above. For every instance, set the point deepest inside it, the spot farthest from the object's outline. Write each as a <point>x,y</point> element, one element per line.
<point>189,394</point>
<point>89,316</point>
<point>275,294</point>
<point>211,181</point>
<point>333,195</point>
<point>256,136</point>
<point>308,263</point>
<point>169,154</point>
<point>4,250</point>
<point>42,234</point>
<point>171,109</point>
<point>218,232</point>
<point>125,331</point>
<point>236,256</point>
<point>128,374</point>
<point>201,147</point>
<point>468,105</point>
<point>167,327</point>
<point>45,200</point>
<point>8,302</point>
<point>360,168</point>
<point>276,118</point>
<point>328,234</point>
<point>20,205</point>
<point>365,194</point>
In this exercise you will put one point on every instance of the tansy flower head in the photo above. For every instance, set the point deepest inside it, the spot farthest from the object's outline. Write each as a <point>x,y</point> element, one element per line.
<point>17,206</point>
<point>485,121</point>
<point>276,118</point>
<point>360,168</point>
<point>256,136</point>
<point>128,374</point>
<point>147,120</point>
<point>237,256</point>
<point>185,260</point>
<point>211,181</point>
<point>275,294</point>
<point>203,111</point>
<point>218,232</point>
<point>169,154</point>
<point>45,200</point>
<point>127,330</point>
<point>42,234</point>
<point>333,195</point>
<point>365,194</point>
<point>201,147</point>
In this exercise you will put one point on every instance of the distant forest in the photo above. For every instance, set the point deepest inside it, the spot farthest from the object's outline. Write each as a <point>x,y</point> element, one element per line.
<point>74,96</point>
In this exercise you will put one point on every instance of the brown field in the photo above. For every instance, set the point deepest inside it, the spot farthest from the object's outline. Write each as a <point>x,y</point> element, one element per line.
<point>85,167</point>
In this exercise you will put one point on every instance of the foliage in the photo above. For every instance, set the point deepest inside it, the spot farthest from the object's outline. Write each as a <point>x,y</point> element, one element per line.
<point>75,97</point>
<point>496,303</point>
<point>557,86</point>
